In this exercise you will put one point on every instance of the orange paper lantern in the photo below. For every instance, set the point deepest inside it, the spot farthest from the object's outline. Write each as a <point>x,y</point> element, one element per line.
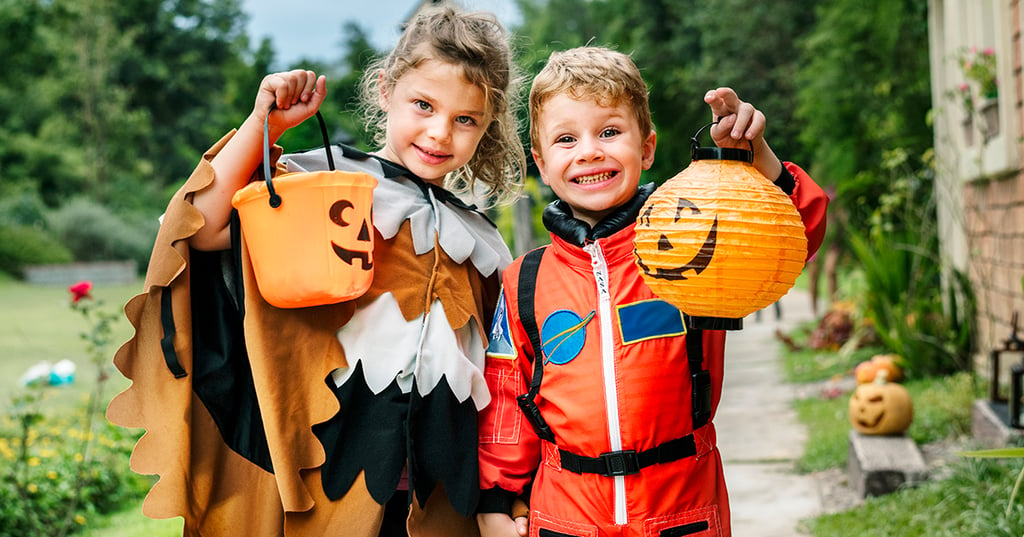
<point>719,239</point>
<point>309,234</point>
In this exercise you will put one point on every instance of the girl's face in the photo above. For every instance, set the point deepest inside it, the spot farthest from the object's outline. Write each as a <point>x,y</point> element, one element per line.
<point>591,155</point>
<point>436,119</point>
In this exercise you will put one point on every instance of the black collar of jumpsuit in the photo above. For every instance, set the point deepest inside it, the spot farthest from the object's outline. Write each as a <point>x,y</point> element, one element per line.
<point>558,218</point>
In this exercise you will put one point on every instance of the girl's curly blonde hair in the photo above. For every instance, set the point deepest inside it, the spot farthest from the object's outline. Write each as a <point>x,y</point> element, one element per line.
<point>479,44</point>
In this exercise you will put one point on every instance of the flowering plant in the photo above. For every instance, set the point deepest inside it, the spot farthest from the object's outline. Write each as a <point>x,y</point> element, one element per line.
<point>964,95</point>
<point>59,468</point>
<point>99,336</point>
<point>980,68</point>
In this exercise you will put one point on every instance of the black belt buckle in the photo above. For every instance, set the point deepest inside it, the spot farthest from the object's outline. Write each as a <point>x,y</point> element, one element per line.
<point>618,463</point>
<point>532,414</point>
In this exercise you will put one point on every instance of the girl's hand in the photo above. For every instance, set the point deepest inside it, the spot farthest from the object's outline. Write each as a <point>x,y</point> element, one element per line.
<point>502,525</point>
<point>741,125</point>
<point>296,95</point>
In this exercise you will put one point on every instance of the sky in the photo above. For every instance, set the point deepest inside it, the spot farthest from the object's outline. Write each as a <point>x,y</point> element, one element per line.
<point>312,28</point>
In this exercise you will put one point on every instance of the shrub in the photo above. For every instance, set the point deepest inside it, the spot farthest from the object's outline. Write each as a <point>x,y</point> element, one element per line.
<point>93,233</point>
<point>23,245</point>
<point>22,209</point>
<point>58,475</point>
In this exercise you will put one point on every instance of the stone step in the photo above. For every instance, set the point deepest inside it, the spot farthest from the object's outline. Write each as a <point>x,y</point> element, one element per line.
<point>880,464</point>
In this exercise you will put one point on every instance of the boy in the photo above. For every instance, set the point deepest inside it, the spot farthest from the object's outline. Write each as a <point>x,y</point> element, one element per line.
<point>609,444</point>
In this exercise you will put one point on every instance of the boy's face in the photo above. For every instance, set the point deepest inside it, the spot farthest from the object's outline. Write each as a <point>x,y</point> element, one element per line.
<point>591,155</point>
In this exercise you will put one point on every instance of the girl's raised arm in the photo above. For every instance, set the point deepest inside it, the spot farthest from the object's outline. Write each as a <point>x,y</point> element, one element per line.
<point>296,95</point>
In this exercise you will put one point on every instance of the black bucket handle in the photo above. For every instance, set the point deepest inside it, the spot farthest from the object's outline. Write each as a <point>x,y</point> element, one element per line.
<point>275,198</point>
<point>719,153</point>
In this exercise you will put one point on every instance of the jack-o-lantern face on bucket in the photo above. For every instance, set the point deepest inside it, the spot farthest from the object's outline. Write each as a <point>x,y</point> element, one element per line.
<point>361,238</point>
<point>700,259</point>
<point>304,248</point>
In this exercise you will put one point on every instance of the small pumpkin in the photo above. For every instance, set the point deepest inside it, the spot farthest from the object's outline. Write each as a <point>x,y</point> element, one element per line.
<point>881,407</point>
<point>866,371</point>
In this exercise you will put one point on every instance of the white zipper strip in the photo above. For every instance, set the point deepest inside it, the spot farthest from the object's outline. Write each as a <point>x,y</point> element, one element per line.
<point>604,313</point>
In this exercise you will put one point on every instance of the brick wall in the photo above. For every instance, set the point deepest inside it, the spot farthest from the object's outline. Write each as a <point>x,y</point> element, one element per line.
<point>994,221</point>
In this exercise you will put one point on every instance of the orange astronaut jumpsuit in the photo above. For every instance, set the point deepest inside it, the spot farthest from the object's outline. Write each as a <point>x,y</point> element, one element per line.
<point>625,445</point>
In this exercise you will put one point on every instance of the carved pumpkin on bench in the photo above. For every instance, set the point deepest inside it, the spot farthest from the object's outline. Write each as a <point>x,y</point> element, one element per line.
<point>881,407</point>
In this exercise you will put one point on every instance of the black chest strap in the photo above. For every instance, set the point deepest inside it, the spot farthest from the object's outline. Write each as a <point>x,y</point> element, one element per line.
<point>528,318</point>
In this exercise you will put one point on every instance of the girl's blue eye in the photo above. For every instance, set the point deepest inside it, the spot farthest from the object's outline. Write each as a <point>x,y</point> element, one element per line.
<point>422,105</point>
<point>465,120</point>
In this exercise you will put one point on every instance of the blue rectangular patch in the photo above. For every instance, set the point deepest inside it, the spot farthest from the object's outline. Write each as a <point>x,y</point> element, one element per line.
<point>649,319</point>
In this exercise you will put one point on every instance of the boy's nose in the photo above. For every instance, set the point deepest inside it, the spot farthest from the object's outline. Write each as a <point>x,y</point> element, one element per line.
<point>588,151</point>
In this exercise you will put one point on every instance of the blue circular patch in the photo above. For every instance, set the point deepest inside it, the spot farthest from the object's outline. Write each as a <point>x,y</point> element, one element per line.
<point>563,335</point>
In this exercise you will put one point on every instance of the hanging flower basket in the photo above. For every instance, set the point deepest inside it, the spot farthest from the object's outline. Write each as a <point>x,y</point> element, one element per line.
<point>989,112</point>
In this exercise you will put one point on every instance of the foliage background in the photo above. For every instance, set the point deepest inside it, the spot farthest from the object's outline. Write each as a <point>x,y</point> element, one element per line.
<point>107,105</point>
<point>114,101</point>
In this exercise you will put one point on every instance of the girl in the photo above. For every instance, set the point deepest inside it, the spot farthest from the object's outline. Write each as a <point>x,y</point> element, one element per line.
<point>267,421</point>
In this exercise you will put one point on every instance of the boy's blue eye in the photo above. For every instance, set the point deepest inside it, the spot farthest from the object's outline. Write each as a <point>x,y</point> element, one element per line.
<point>564,139</point>
<point>422,105</point>
<point>609,132</point>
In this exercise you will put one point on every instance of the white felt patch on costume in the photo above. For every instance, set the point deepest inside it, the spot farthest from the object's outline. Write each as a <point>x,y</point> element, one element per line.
<point>426,347</point>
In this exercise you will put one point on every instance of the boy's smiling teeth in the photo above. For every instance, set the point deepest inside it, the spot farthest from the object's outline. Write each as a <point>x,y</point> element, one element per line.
<point>596,178</point>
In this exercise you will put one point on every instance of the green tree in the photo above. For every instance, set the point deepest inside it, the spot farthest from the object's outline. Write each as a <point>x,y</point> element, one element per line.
<point>864,89</point>
<point>684,48</point>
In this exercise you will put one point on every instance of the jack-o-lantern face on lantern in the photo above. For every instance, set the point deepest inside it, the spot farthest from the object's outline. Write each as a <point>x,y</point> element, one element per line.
<point>362,237</point>
<point>881,408</point>
<point>700,259</point>
<point>719,240</point>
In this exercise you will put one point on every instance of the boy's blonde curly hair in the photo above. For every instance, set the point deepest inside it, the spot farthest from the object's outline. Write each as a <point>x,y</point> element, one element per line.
<point>479,44</point>
<point>600,74</point>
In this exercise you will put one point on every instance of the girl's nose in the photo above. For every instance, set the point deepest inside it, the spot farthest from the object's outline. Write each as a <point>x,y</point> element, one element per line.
<point>439,129</point>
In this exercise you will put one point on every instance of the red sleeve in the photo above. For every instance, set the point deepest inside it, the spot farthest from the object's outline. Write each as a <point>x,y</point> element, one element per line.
<point>509,448</point>
<point>812,204</point>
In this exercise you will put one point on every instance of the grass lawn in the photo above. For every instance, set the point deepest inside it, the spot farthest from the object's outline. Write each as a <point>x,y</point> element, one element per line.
<point>972,497</point>
<point>37,324</point>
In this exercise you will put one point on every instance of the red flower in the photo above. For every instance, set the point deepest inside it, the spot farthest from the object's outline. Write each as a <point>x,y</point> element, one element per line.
<point>80,290</point>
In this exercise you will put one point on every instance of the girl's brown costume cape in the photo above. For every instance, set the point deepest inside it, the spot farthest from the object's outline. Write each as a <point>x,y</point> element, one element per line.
<point>264,422</point>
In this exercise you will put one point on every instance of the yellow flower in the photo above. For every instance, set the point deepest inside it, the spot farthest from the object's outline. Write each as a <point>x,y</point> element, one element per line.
<point>52,474</point>
<point>80,520</point>
<point>79,457</point>
<point>34,461</point>
<point>32,488</point>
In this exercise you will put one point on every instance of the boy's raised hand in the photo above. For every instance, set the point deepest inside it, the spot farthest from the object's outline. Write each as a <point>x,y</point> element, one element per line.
<point>297,95</point>
<point>741,125</point>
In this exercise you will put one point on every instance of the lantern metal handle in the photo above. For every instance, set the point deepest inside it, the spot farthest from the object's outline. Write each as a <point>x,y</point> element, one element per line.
<point>275,198</point>
<point>719,153</point>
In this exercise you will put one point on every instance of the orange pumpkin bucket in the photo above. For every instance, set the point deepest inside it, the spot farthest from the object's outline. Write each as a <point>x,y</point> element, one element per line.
<point>309,234</point>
